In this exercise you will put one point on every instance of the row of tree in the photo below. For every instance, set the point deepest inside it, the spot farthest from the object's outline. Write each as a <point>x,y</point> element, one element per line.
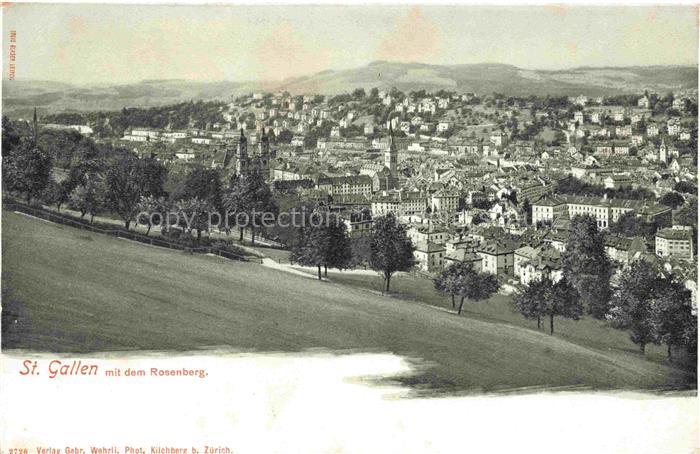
<point>324,242</point>
<point>94,181</point>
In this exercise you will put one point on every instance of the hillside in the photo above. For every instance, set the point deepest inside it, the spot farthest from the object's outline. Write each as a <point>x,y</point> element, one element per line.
<point>19,97</point>
<point>80,292</point>
<point>489,78</point>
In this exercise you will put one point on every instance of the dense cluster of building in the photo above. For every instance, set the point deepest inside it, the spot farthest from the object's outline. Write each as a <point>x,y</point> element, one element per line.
<point>473,178</point>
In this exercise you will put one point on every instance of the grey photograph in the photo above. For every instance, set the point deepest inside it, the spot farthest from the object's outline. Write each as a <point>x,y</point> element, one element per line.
<point>500,201</point>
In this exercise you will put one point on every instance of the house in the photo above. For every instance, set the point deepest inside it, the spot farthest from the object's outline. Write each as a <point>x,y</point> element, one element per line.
<point>464,255</point>
<point>637,139</point>
<point>623,131</point>
<point>444,201</point>
<point>673,126</point>
<point>498,256</point>
<point>429,256</point>
<point>521,256</point>
<point>622,249</point>
<point>427,234</point>
<point>675,242</point>
<point>443,126</point>
<point>185,155</point>
<point>678,104</point>
<point>558,240</point>
<point>358,225</point>
<point>498,139</point>
<point>618,181</point>
<point>546,264</point>
<point>458,243</point>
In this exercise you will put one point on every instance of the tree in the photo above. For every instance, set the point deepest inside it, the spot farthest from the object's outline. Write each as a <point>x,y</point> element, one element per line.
<point>392,250</point>
<point>565,302</point>
<point>444,282</point>
<point>201,183</point>
<point>235,202</point>
<point>672,199</point>
<point>193,214</point>
<point>629,224</point>
<point>324,242</point>
<point>688,214</point>
<point>90,198</point>
<point>468,283</point>
<point>147,207</point>
<point>531,302</point>
<point>339,252</point>
<point>10,136</point>
<point>672,314</point>
<point>310,247</point>
<point>285,136</point>
<point>587,266</point>
<point>685,187</point>
<point>57,193</point>
<point>26,169</point>
<point>250,195</point>
<point>129,178</point>
<point>632,303</point>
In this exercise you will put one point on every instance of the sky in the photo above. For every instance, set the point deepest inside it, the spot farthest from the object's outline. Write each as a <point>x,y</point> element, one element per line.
<point>96,44</point>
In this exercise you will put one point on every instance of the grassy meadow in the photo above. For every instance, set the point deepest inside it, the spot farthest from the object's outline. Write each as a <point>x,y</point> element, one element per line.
<point>74,291</point>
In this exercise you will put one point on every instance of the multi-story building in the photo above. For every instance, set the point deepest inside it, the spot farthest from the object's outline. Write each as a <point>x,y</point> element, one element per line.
<point>605,211</point>
<point>444,201</point>
<point>427,234</point>
<point>622,249</point>
<point>675,242</point>
<point>399,202</point>
<point>429,256</point>
<point>498,256</point>
<point>548,210</point>
<point>348,185</point>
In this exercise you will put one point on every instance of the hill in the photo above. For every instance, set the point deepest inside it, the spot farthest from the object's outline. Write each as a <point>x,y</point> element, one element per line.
<point>507,79</point>
<point>19,97</point>
<point>81,292</point>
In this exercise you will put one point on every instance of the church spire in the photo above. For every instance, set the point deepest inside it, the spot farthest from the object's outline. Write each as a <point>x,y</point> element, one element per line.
<point>35,125</point>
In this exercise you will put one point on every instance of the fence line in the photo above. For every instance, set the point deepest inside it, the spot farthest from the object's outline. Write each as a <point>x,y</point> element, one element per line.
<point>64,219</point>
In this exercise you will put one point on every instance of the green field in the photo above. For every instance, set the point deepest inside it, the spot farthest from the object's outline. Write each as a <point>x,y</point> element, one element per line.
<point>81,292</point>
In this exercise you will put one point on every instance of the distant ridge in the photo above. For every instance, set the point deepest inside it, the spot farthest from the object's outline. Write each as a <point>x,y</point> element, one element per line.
<point>18,96</point>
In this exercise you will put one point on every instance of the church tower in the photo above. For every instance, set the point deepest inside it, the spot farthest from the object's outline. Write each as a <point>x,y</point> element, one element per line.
<point>264,145</point>
<point>35,125</point>
<point>242,155</point>
<point>391,157</point>
<point>663,151</point>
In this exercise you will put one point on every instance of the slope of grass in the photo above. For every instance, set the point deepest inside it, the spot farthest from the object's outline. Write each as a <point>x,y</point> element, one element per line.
<point>80,292</point>
<point>501,308</point>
